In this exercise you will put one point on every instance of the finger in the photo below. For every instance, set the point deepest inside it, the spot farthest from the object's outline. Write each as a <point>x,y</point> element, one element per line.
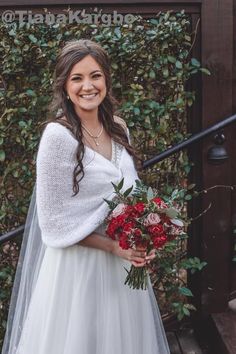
<point>138,264</point>
<point>139,254</point>
<point>138,259</point>
<point>152,256</point>
<point>141,248</point>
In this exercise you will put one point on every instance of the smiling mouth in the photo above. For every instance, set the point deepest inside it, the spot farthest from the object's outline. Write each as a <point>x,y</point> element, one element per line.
<point>89,96</point>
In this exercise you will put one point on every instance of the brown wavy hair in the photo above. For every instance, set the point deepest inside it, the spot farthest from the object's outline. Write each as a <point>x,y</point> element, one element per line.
<point>61,108</point>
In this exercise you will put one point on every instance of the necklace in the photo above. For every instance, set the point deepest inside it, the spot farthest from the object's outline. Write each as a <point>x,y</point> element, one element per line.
<point>94,137</point>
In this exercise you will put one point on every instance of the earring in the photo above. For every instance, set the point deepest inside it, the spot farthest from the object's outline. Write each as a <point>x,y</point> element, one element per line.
<point>68,97</point>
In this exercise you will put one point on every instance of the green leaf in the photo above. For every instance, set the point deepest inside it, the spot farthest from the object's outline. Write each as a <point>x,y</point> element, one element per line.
<point>152,74</point>
<point>2,155</point>
<point>205,71</point>
<point>154,21</point>
<point>117,32</point>
<point>186,311</point>
<point>30,92</point>
<point>120,184</point>
<point>171,213</point>
<point>111,204</point>
<point>150,194</point>
<point>32,38</point>
<point>136,111</point>
<point>195,62</point>
<point>15,174</point>
<point>185,291</point>
<point>114,66</point>
<point>128,191</point>
<point>22,110</point>
<point>188,197</point>
<point>178,64</point>
<point>165,72</point>
<point>12,33</point>
<point>171,59</point>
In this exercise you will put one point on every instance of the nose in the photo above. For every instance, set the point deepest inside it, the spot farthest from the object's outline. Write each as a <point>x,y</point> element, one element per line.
<point>87,85</point>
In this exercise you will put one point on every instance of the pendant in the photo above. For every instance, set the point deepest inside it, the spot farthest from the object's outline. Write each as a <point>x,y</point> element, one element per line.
<point>97,144</point>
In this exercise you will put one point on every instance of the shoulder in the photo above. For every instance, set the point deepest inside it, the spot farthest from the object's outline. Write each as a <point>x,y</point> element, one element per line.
<point>56,131</point>
<point>120,121</point>
<point>57,139</point>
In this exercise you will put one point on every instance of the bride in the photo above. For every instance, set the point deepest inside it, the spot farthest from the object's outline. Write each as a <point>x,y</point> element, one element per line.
<point>69,295</point>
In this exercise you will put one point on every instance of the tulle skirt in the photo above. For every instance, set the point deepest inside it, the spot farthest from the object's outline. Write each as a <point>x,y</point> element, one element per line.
<point>80,305</point>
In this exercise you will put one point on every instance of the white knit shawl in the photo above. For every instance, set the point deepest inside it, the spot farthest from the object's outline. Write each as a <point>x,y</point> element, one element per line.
<point>65,220</point>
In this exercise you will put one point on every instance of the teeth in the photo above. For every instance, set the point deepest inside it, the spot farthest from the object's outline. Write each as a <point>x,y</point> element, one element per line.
<point>88,96</point>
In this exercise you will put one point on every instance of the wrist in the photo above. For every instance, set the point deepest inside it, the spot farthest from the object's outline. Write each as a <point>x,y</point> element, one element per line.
<point>113,246</point>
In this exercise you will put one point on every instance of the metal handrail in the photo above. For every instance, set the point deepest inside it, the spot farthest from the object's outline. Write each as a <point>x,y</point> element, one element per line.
<point>12,234</point>
<point>163,155</point>
<point>190,141</point>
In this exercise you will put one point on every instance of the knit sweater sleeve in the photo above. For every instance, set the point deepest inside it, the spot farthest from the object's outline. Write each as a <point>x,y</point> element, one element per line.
<point>58,212</point>
<point>65,219</point>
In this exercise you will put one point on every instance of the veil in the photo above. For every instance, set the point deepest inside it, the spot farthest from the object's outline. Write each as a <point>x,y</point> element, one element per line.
<point>30,259</point>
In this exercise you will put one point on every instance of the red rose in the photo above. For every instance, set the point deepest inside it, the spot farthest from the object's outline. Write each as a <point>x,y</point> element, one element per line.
<point>124,242</point>
<point>159,241</point>
<point>111,229</point>
<point>137,233</point>
<point>127,227</point>
<point>155,230</point>
<point>159,202</point>
<point>139,207</point>
<point>142,244</point>
<point>130,211</point>
<point>120,220</point>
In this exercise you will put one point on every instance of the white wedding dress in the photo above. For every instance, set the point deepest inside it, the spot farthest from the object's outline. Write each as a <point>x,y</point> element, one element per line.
<point>80,305</point>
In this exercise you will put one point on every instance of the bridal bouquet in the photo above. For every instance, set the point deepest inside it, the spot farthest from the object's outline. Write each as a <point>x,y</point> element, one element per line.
<point>141,220</point>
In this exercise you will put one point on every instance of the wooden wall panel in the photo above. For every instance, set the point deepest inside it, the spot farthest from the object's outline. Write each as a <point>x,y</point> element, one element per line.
<point>217,55</point>
<point>97,2</point>
<point>233,170</point>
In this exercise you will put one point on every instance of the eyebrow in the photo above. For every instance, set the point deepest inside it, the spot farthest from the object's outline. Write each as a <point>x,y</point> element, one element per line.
<point>90,73</point>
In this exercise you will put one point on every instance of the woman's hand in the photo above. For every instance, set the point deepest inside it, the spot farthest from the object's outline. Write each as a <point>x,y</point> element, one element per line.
<point>137,257</point>
<point>151,255</point>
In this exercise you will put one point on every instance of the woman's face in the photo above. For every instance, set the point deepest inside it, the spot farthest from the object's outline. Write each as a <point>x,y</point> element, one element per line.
<point>86,85</point>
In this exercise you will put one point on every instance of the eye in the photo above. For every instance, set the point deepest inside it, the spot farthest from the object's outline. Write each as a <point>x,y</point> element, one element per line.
<point>76,78</point>
<point>96,76</point>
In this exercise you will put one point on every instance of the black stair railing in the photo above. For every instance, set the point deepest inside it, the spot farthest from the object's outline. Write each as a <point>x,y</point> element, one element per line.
<point>150,162</point>
<point>190,141</point>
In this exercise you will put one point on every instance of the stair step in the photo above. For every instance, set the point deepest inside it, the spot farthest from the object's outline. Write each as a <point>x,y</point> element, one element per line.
<point>225,324</point>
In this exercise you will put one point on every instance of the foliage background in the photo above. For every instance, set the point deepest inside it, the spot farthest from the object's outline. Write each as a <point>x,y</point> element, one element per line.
<point>151,64</point>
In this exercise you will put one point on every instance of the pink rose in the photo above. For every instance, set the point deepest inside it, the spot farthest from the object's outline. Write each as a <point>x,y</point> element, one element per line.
<point>152,219</point>
<point>119,209</point>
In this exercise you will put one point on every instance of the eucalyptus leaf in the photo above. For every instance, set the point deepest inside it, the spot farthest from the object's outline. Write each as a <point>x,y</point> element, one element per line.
<point>150,194</point>
<point>171,213</point>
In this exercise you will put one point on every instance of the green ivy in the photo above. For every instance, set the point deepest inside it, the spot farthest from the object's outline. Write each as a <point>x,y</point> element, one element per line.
<point>151,64</point>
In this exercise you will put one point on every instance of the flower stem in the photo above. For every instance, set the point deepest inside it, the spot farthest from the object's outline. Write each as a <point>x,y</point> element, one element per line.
<point>137,278</point>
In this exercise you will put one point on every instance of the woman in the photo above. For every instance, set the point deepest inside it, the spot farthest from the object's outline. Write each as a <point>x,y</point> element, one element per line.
<point>79,302</point>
